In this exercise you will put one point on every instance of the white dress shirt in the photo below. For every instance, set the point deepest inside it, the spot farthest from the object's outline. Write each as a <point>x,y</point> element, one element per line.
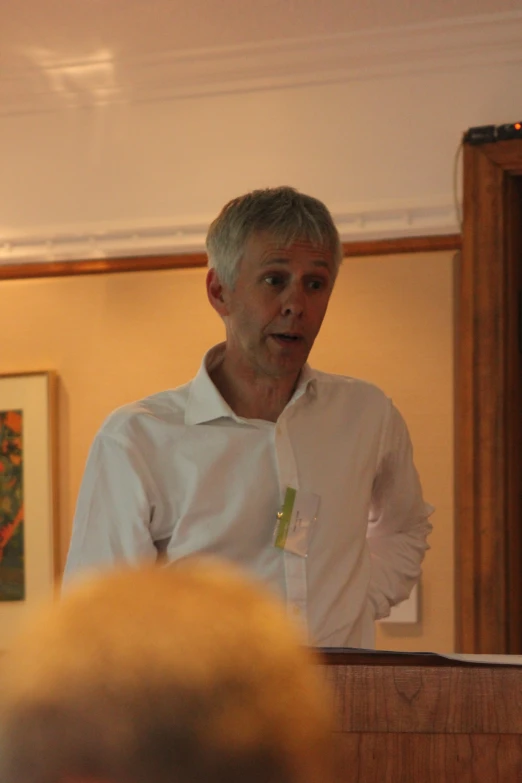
<point>179,472</point>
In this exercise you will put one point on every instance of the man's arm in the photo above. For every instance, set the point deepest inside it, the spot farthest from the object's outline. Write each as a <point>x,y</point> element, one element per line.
<point>114,509</point>
<point>398,523</point>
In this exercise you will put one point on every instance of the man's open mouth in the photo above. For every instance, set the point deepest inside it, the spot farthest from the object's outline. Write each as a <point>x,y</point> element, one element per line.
<point>287,337</point>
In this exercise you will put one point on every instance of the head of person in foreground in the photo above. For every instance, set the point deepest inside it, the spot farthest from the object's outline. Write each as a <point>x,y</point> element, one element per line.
<point>182,674</point>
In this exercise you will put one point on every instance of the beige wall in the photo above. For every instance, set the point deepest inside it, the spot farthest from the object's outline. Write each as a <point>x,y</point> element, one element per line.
<point>113,338</point>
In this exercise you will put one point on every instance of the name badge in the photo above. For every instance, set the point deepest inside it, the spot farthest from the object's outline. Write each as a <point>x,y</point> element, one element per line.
<point>295,521</point>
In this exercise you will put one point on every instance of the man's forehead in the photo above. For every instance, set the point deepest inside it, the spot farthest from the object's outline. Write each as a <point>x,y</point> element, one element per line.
<point>270,248</point>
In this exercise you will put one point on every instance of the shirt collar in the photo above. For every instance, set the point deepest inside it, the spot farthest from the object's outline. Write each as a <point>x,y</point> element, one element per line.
<point>205,403</point>
<point>307,383</point>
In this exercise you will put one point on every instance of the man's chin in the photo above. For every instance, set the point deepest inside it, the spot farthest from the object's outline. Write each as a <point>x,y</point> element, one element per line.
<point>284,367</point>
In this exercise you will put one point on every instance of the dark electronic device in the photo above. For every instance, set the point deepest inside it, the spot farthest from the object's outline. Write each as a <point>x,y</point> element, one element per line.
<point>487,134</point>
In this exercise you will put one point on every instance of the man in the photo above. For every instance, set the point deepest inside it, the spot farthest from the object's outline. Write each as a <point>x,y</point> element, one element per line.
<point>304,478</point>
<point>175,675</point>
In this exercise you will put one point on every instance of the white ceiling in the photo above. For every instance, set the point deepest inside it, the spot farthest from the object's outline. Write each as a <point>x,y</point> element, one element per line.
<point>56,53</point>
<point>60,54</point>
<point>57,31</point>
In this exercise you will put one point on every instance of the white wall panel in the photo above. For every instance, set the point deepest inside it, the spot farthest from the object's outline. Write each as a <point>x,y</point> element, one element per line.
<point>380,152</point>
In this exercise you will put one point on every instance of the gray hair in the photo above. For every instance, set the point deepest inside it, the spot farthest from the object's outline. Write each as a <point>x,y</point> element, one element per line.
<point>185,673</point>
<point>287,215</point>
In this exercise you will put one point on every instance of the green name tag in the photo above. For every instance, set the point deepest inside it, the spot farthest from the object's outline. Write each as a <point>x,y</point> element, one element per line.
<point>295,521</point>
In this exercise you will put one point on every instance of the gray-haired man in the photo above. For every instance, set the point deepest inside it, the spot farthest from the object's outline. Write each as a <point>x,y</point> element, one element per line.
<point>302,477</point>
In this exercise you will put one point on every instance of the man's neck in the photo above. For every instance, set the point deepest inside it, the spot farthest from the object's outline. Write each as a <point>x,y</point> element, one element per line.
<point>253,396</point>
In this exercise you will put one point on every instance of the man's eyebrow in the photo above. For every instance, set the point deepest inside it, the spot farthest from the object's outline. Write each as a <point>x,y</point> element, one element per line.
<point>320,262</point>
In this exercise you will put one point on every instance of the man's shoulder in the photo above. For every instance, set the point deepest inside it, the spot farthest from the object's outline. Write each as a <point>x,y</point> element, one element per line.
<point>167,407</point>
<point>346,386</point>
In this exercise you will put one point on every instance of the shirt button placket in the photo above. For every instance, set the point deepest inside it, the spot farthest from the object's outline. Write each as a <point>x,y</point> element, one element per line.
<point>295,566</point>
<point>287,468</point>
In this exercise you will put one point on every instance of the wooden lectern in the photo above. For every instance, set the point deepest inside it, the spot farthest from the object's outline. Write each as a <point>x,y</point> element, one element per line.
<point>421,718</point>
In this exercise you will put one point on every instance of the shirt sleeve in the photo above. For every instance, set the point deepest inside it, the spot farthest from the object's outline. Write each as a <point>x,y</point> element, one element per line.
<point>398,524</point>
<point>114,510</point>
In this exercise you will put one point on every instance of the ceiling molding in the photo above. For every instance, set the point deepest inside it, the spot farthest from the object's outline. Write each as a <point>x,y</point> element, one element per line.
<point>364,222</point>
<point>49,85</point>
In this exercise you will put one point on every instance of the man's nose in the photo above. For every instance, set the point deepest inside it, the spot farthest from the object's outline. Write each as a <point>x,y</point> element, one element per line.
<point>294,300</point>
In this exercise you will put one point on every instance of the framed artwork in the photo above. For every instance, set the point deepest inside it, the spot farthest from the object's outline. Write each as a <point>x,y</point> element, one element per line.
<point>28,535</point>
<point>407,611</point>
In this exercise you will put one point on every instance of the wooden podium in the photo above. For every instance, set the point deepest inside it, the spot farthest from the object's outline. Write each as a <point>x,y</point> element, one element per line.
<point>421,718</point>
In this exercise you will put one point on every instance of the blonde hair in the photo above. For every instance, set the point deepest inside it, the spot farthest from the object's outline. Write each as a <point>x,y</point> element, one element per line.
<point>184,674</point>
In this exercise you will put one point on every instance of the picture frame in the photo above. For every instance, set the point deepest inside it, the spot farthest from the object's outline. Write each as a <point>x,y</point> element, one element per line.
<point>407,611</point>
<point>28,497</point>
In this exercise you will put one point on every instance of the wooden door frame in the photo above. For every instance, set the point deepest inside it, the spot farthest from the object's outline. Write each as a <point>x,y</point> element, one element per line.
<point>488,540</point>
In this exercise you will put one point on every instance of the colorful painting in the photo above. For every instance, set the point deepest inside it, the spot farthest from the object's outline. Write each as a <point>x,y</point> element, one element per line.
<point>12,577</point>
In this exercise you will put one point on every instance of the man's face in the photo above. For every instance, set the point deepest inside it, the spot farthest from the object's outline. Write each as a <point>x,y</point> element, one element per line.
<point>276,309</point>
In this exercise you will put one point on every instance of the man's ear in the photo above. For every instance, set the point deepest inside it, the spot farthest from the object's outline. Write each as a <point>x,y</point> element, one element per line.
<point>216,293</point>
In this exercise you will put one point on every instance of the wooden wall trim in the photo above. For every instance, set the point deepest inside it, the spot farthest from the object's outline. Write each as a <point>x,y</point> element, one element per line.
<point>188,260</point>
<point>381,247</point>
<point>100,266</point>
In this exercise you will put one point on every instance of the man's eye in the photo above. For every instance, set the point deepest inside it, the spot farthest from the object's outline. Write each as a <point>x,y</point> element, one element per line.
<point>274,280</point>
<point>316,285</point>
